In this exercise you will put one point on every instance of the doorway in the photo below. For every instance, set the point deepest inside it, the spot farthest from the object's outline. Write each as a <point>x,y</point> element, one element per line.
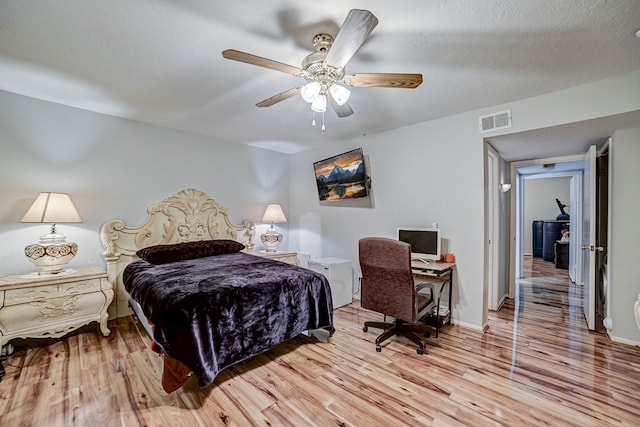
<point>546,221</point>
<point>580,224</point>
<point>521,172</point>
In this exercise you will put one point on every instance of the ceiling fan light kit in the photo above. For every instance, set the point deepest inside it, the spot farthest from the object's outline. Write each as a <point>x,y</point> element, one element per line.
<point>310,91</point>
<point>319,104</point>
<point>325,67</point>
<point>340,94</point>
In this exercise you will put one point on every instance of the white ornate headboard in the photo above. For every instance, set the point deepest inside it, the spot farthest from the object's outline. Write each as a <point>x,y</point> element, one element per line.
<point>187,216</point>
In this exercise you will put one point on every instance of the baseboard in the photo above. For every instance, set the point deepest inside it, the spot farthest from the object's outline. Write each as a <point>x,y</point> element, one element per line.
<point>621,340</point>
<point>501,302</point>
<point>468,325</point>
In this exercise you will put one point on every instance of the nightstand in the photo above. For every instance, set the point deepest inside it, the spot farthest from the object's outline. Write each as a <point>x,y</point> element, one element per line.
<point>288,257</point>
<point>50,306</point>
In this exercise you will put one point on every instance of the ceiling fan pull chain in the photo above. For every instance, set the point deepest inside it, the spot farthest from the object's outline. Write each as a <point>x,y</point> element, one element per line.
<point>323,128</point>
<point>313,121</point>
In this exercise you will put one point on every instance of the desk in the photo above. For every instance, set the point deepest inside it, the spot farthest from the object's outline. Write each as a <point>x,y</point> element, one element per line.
<point>435,273</point>
<point>562,254</point>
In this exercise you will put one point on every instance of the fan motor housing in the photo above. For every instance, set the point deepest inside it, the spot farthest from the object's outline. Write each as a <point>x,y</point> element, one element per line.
<point>322,42</point>
<point>314,65</point>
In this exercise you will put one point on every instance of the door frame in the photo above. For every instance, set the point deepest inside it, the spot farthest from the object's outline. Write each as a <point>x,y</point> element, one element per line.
<point>492,243</point>
<point>516,245</point>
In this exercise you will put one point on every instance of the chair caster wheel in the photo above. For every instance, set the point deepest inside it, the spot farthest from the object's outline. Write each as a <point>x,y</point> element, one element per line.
<point>365,329</point>
<point>378,348</point>
<point>419,350</point>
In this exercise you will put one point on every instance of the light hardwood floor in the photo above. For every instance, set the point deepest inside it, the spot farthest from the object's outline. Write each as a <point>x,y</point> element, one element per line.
<point>536,365</point>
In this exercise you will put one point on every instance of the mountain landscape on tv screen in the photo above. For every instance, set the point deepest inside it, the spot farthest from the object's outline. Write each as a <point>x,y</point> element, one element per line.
<point>340,175</point>
<point>342,183</point>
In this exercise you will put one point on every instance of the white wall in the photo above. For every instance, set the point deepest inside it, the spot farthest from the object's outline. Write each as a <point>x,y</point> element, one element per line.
<point>615,95</point>
<point>115,168</point>
<point>624,234</point>
<point>434,172</point>
<point>540,203</point>
<point>431,172</point>
<point>505,207</point>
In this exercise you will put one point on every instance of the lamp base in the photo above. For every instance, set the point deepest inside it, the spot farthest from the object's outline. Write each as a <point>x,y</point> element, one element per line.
<point>52,257</point>
<point>271,240</point>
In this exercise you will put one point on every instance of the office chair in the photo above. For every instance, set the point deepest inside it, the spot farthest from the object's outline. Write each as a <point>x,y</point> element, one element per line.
<point>388,288</point>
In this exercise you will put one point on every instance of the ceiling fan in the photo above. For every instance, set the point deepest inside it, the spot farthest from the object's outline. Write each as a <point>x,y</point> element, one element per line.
<point>325,68</point>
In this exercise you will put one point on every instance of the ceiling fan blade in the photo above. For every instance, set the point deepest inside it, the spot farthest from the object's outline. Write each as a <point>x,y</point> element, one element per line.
<point>248,58</point>
<point>279,97</point>
<point>354,31</point>
<point>343,110</point>
<point>406,81</point>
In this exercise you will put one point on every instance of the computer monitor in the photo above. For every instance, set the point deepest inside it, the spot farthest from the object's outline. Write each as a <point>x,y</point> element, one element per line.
<point>425,242</point>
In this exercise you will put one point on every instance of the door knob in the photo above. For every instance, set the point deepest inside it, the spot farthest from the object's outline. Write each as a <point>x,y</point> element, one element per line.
<point>593,248</point>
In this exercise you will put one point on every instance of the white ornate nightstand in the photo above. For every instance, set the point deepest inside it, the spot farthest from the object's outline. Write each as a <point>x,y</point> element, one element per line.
<point>49,306</point>
<point>288,257</point>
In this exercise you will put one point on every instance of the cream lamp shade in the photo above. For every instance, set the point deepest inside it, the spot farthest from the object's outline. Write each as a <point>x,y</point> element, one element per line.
<point>274,214</point>
<point>271,239</point>
<point>53,252</point>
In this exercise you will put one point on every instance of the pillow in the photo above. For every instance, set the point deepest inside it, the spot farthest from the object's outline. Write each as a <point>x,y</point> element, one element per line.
<point>162,254</point>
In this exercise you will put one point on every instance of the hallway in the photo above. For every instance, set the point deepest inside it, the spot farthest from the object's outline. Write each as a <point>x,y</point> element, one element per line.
<point>546,298</point>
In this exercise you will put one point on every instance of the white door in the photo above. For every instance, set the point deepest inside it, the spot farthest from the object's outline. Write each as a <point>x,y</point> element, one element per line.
<point>589,238</point>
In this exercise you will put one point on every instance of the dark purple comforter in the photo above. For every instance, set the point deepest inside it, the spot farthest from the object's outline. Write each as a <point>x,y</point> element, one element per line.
<point>212,312</point>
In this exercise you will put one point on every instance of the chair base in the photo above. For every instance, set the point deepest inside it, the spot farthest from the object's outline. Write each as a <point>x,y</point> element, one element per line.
<point>402,328</point>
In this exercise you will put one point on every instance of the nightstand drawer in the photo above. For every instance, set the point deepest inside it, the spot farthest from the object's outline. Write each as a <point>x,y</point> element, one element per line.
<point>45,292</point>
<point>51,316</point>
<point>288,257</point>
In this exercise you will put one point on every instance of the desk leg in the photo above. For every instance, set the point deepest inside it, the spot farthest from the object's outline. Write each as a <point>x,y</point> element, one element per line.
<point>450,294</point>
<point>450,283</point>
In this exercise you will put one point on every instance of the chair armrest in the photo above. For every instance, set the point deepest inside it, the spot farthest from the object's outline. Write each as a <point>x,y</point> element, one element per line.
<point>420,287</point>
<point>423,285</point>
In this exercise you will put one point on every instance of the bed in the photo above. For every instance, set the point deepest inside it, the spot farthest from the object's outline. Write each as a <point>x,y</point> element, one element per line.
<point>208,302</point>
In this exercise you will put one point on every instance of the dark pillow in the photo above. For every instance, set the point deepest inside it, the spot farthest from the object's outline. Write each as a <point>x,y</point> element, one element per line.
<point>162,254</point>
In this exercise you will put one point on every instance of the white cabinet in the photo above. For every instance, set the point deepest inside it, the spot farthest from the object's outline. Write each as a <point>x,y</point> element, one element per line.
<point>339,273</point>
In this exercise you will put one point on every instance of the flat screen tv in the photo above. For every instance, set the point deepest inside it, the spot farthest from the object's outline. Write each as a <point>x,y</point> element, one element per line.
<point>342,176</point>
<point>425,242</point>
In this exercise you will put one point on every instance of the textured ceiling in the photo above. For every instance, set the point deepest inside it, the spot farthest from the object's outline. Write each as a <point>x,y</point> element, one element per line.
<point>159,61</point>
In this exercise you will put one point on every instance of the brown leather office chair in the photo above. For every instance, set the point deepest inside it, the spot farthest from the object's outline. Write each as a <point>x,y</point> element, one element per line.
<point>388,288</point>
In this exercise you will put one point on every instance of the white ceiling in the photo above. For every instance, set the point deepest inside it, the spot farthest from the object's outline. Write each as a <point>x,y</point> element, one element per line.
<point>159,61</point>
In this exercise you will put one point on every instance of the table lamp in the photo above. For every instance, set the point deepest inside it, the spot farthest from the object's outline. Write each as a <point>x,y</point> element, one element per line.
<point>271,239</point>
<point>53,251</point>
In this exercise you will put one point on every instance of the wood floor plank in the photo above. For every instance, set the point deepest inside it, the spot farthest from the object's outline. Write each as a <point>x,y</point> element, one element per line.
<point>537,364</point>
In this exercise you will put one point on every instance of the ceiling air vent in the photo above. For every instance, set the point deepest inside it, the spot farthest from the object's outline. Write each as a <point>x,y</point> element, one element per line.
<point>495,121</point>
